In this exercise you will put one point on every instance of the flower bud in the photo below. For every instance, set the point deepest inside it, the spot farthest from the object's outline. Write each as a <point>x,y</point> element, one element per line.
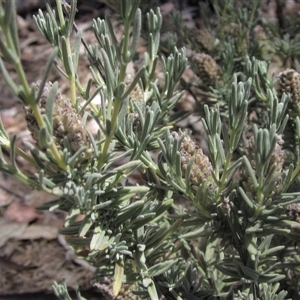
<point>201,168</point>
<point>66,123</point>
<point>206,69</point>
<point>293,210</point>
<point>276,159</point>
<point>136,94</point>
<point>289,83</point>
<point>203,39</point>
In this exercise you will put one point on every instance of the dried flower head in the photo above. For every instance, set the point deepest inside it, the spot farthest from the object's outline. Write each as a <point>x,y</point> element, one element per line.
<point>240,36</point>
<point>66,122</point>
<point>206,69</point>
<point>136,94</point>
<point>203,39</point>
<point>293,210</point>
<point>201,168</point>
<point>277,160</point>
<point>289,83</point>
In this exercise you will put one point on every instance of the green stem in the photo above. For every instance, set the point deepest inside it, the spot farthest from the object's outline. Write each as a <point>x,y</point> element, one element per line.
<point>72,88</point>
<point>117,102</point>
<point>109,137</point>
<point>38,116</point>
<point>71,77</point>
<point>21,153</point>
<point>260,196</point>
<point>125,51</point>
<point>17,63</point>
<point>148,81</point>
<point>30,99</point>
<point>224,176</point>
<point>295,173</point>
<point>60,15</point>
<point>23,178</point>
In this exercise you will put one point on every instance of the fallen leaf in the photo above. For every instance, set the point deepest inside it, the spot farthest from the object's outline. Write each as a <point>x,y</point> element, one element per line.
<point>20,213</point>
<point>10,230</point>
<point>33,232</point>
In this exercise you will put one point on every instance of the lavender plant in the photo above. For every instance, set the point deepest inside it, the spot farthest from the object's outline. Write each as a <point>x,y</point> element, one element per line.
<point>237,238</point>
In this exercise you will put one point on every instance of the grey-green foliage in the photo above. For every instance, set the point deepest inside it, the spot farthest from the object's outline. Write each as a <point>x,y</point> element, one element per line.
<point>226,35</point>
<point>230,243</point>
